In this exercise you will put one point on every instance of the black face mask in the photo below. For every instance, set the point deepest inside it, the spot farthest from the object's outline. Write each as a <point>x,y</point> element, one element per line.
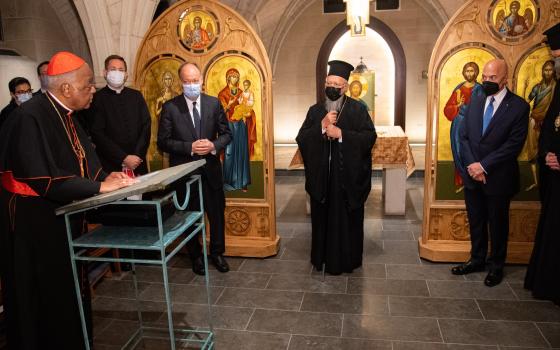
<point>490,87</point>
<point>333,93</point>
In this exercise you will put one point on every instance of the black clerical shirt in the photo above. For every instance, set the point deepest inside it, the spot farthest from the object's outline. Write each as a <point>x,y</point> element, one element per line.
<point>119,124</point>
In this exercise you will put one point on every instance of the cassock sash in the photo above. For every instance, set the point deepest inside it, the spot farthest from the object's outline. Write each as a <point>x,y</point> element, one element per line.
<point>14,186</point>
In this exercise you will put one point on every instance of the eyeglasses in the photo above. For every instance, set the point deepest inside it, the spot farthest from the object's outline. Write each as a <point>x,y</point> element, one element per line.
<point>335,85</point>
<point>191,81</point>
<point>19,92</point>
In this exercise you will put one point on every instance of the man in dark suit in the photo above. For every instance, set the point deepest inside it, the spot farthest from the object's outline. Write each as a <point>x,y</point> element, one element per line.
<point>492,137</point>
<point>194,126</point>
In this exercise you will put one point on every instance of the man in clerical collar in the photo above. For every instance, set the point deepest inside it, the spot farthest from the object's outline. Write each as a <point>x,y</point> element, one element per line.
<point>335,141</point>
<point>47,161</point>
<point>43,77</point>
<point>119,122</point>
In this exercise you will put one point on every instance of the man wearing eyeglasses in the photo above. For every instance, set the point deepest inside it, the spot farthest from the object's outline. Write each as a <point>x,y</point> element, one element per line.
<point>335,141</point>
<point>119,122</point>
<point>21,91</point>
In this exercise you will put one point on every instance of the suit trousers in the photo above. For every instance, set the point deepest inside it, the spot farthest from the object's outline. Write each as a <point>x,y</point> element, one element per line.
<point>488,214</point>
<point>214,205</point>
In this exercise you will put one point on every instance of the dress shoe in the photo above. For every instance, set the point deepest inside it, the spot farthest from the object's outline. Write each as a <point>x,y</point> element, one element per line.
<point>494,278</point>
<point>198,266</point>
<point>467,268</point>
<point>220,263</point>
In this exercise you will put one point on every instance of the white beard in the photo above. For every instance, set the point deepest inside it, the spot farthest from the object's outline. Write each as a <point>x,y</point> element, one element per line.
<point>334,105</point>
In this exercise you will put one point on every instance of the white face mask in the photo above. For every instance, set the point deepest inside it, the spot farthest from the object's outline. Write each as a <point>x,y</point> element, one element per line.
<point>115,79</point>
<point>21,98</point>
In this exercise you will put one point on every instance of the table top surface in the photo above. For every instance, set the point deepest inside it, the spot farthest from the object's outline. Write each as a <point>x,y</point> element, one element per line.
<point>153,181</point>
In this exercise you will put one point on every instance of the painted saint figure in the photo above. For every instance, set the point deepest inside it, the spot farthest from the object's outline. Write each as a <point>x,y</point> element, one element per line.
<point>246,102</point>
<point>356,89</point>
<point>197,38</point>
<point>541,95</point>
<point>237,175</point>
<point>455,112</point>
<point>514,24</point>
<point>166,92</point>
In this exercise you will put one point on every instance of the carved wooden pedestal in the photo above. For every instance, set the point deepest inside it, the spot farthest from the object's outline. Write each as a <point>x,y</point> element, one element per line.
<point>446,235</point>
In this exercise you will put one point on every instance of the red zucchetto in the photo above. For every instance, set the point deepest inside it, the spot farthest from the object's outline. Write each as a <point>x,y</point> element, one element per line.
<point>64,62</point>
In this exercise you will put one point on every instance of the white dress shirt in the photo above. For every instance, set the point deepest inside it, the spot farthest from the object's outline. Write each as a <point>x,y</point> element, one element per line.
<point>190,107</point>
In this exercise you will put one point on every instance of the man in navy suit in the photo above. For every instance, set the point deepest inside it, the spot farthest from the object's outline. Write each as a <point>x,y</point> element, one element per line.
<point>492,137</point>
<point>193,126</point>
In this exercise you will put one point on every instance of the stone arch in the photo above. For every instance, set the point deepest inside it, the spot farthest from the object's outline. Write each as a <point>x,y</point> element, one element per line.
<point>70,20</point>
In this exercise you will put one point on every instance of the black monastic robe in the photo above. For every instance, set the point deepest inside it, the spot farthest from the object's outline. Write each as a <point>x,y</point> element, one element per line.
<point>119,124</point>
<point>543,273</point>
<point>339,187</point>
<point>37,281</point>
<point>6,111</point>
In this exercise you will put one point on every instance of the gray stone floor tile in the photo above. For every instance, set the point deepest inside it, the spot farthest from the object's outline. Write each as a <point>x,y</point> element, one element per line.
<point>551,332</point>
<point>117,333</point>
<point>520,292</point>
<point>242,340</point>
<point>181,293</point>
<point>155,274</point>
<point>196,315</point>
<point>391,328</point>
<point>538,311</point>
<point>126,309</point>
<point>183,261</point>
<point>120,289</point>
<point>422,272</point>
<point>434,307</point>
<point>370,271</point>
<point>491,333</point>
<point>234,279</point>
<point>345,303</point>
<point>469,290</point>
<point>303,342</point>
<point>439,346</point>
<point>311,283</point>
<point>296,248</point>
<point>296,267</point>
<point>375,257</point>
<point>387,287</point>
<point>524,348</point>
<point>387,235</point>
<point>259,298</point>
<point>307,323</point>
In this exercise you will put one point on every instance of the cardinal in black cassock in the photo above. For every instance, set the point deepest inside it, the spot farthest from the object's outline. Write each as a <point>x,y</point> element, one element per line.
<point>543,273</point>
<point>46,161</point>
<point>335,141</point>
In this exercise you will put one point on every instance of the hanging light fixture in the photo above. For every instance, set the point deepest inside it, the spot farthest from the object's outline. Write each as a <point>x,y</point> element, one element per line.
<point>357,16</point>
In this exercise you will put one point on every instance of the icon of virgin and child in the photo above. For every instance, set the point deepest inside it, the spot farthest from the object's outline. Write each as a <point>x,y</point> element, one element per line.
<point>238,105</point>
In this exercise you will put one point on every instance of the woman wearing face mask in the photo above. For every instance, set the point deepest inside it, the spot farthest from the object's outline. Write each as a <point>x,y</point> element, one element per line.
<point>21,91</point>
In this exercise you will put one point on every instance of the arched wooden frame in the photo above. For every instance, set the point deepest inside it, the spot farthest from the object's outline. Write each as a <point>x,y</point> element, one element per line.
<point>258,237</point>
<point>398,55</point>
